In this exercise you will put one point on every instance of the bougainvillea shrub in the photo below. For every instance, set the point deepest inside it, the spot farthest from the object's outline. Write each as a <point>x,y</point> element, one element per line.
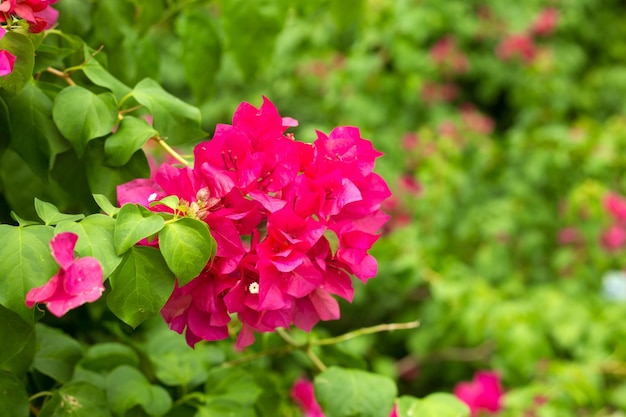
<point>440,232</point>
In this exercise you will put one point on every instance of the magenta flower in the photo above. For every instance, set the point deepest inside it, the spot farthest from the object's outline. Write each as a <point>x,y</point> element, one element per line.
<point>37,13</point>
<point>271,204</point>
<point>517,46</point>
<point>615,205</point>
<point>79,281</point>
<point>7,59</point>
<point>546,22</point>
<point>484,393</point>
<point>613,238</point>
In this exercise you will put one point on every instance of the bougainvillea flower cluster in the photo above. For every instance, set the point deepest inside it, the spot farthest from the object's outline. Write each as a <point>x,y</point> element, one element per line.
<point>78,281</point>
<point>7,59</point>
<point>37,13</point>
<point>292,222</point>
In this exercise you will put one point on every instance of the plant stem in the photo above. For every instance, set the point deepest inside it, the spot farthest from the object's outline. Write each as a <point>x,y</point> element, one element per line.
<point>61,74</point>
<point>366,330</point>
<point>171,151</point>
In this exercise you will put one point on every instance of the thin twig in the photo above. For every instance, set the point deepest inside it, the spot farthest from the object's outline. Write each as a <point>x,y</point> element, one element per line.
<point>171,151</point>
<point>366,330</point>
<point>61,74</point>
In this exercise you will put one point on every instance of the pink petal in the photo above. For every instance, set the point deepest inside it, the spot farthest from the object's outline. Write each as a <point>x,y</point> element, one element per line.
<point>83,279</point>
<point>7,62</point>
<point>45,292</point>
<point>63,246</point>
<point>139,191</point>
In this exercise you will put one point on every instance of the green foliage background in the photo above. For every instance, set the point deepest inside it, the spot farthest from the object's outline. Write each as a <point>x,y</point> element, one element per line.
<point>474,255</point>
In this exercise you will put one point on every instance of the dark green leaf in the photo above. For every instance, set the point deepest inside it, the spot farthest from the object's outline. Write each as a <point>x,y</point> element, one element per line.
<point>51,215</point>
<point>56,353</point>
<point>82,115</point>
<point>13,396</point>
<point>134,223</point>
<point>104,357</point>
<point>140,286</point>
<point>104,179</point>
<point>187,246</point>
<point>33,134</point>
<point>77,399</point>
<point>127,388</point>
<point>131,135</point>
<point>174,119</point>
<point>25,262</point>
<point>201,52</point>
<point>351,392</point>
<point>17,342</point>
<point>95,235</point>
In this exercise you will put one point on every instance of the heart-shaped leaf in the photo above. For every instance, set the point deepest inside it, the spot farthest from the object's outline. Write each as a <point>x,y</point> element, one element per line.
<point>134,223</point>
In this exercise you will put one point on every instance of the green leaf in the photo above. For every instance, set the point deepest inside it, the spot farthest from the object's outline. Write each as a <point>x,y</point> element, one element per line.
<point>17,342</point>
<point>13,396</point>
<point>127,388</point>
<point>34,136</point>
<point>106,206</point>
<point>232,384</point>
<point>99,75</point>
<point>171,201</point>
<point>95,235</point>
<point>174,119</point>
<point>263,21</point>
<point>25,262</point>
<point>56,353</point>
<point>187,246</point>
<point>104,179</point>
<point>434,405</point>
<point>352,392</point>
<point>133,223</point>
<point>23,222</point>
<point>21,46</point>
<point>201,51</point>
<point>77,399</point>
<point>104,357</point>
<point>82,115</point>
<point>140,286</point>
<point>131,135</point>
<point>51,215</point>
<point>175,363</point>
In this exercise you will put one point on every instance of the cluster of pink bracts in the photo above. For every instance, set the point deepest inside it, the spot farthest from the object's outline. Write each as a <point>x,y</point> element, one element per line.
<point>292,222</point>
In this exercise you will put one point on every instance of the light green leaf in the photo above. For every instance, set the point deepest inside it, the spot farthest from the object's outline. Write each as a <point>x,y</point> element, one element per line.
<point>187,246</point>
<point>175,120</point>
<point>127,388</point>
<point>21,46</point>
<point>13,396</point>
<point>56,353</point>
<point>140,286</point>
<point>434,405</point>
<point>131,135</point>
<point>106,206</point>
<point>51,215</point>
<point>352,392</point>
<point>133,223</point>
<point>171,201</point>
<point>99,75</point>
<point>232,384</point>
<point>82,115</point>
<point>25,262</point>
<point>95,235</point>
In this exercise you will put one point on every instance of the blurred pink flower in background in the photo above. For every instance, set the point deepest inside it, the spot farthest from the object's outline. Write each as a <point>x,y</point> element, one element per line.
<point>517,46</point>
<point>613,238</point>
<point>615,205</point>
<point>447,54</point>
<point>545,23</point>
<point>483,393</point>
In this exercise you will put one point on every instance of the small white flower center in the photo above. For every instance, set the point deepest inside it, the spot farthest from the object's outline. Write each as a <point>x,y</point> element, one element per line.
<point>253,288</point>
<point>152,197</point>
